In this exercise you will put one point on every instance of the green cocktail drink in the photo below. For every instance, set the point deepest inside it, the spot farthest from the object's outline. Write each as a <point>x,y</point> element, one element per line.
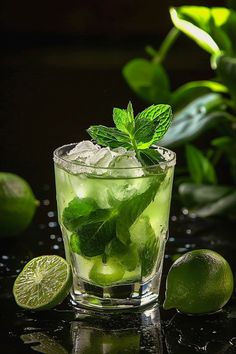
<point>114,222</point>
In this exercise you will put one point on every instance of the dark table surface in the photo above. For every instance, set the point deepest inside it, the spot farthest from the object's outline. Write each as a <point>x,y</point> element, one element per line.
<point>153,330</point>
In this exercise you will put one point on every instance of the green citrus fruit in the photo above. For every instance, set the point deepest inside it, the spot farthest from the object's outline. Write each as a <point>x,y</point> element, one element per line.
<point>17,204</point>
<point>200,281</point>
<point>43,283</point>
<point>106,273</point>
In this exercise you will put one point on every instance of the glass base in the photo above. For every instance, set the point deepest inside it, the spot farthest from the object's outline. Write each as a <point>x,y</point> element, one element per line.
<point>116,298</point>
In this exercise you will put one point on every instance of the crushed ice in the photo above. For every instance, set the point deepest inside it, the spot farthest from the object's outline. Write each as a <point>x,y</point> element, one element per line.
<point>89,154</point>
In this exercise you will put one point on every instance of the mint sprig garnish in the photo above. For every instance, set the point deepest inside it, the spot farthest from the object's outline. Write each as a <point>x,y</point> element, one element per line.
<point>136,133</point>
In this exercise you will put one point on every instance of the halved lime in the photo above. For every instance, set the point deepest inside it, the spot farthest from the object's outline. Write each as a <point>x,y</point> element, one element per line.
<point>43,283</point>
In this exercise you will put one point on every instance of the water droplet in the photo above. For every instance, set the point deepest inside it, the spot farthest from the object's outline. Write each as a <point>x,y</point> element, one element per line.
<point>173,218</point>
<point>181,249</point>
<point>46,202</point>
<point>188,231</point>
<point>55,247</point>
<point>185,211</point>
<point>51,214</point>
<point>52,237</point>
<point>4,256</point>
<point>59,239</point>
<point>52,224</point>
<point>171,239</point>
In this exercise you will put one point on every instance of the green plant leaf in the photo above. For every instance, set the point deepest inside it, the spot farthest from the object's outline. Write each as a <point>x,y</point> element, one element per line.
<point>196,195</point>
<point>184,24</point>
<point>124,119</point>
<point>227,146</point>
<point>200,115</point>
<point>98,230</point>
<point>151,156</point>
<point>107,136</point>
<point>191,90</point>
<point>130,210</point>
<point>226,69</point>
<point>200,168</point>
<point>134,133</point>
<point>213,29</point>
<point>151,124</point>
<point>148,80</point>
<point>223,206</point>
<point>205,200</point>
<point>76,212</point>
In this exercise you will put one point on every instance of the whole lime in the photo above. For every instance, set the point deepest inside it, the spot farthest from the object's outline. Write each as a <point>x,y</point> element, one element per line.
<point>200,281</point>
<point>17,204</point>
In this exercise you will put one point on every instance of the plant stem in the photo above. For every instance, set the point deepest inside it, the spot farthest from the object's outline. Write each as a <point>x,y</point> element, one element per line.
<point>133,141</point>
<point>166,45</point>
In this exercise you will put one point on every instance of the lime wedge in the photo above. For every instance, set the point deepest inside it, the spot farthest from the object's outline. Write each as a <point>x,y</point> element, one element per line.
<point>43,283</point>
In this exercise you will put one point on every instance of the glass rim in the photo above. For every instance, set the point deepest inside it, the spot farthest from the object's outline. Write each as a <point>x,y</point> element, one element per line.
<point>59,159</point>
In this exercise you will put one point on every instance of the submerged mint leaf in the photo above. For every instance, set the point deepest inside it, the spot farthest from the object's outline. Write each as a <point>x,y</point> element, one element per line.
<point>106,136</point>
<point>92,226</point>
<point>76,212</point>
<point>97,232</point>
<point>133,208</point>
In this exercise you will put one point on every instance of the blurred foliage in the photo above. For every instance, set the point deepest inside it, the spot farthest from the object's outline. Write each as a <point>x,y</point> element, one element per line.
<point>207,182</point>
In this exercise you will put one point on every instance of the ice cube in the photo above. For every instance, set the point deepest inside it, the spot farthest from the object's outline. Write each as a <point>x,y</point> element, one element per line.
<point>83,150</point>
<point>100,158</point>
<point>126,165</point>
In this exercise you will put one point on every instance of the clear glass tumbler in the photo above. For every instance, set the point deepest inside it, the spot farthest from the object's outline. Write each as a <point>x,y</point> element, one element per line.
<point>114,223</point>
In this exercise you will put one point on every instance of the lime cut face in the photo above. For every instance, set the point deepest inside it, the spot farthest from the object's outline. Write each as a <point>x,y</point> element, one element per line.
<point>200,281</point>
<point>43,283</point>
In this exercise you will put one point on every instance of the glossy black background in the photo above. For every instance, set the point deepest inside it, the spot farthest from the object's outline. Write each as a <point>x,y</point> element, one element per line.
<point>61,72</point>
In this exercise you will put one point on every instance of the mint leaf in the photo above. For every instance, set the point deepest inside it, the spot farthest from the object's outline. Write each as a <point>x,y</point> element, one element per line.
<point>130,210</point>
<point>151,124</point>
<point>124,119</point>
<point>106,136</point>
<point>149,254</point>
<point>151,156</point>
<point>132,133</point>
<point>97,232</point>
<point>74,244</point>
<point>144,129</point>
<point>77,212</point>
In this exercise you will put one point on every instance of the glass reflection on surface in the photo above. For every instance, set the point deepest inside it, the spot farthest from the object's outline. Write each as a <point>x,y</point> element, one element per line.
<point>117,334</point>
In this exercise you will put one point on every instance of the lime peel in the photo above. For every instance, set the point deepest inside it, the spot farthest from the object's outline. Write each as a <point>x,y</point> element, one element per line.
<point>200,281</point>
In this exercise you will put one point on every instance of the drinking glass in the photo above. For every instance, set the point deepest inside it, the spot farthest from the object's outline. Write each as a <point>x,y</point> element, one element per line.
<point>114,223</point>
